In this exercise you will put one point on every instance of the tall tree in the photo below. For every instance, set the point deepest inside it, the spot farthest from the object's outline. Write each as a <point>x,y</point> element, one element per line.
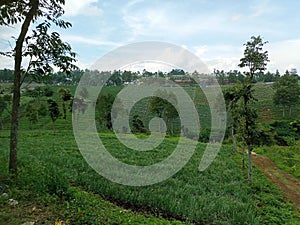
<point>53,111</point>
<point>287,92</point>
<point>233,101</point>
<point>103,107</point>
<point>66,96</point>
<point>164,108</point>
<point>42,47</point>
<point>3,106</point>
<point>255,59</point>
<point>32,114</point>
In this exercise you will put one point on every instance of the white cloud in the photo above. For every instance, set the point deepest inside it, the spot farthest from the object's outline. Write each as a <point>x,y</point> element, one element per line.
<point>221,57</point>
<point>261,7</point>
<point>284,55</point>
<point>236,17</point>
<point>89,41</point>
<point>78,7</point>
<point>6,62</point>
<point>222,63</point>
<point>6,33</point>
<point>167,21</point>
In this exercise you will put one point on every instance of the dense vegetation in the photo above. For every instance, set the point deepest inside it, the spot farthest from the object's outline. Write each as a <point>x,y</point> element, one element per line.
<point>55,173</point>
<point>219,195</point>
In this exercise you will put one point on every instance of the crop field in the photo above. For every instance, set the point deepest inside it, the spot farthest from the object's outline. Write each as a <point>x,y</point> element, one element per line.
<point>51,163</point>
<point>52,169</point>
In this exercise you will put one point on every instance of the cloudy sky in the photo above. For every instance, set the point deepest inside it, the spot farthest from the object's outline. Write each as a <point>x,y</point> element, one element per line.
<point>214,30</point>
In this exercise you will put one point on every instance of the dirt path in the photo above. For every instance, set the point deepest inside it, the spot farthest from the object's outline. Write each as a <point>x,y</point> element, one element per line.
<point>289,185</point>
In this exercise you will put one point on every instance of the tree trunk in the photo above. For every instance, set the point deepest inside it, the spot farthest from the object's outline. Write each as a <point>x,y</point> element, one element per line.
<point>13,154</point>
<point>290,111</point>
<point>250,165</point>
<point>64,110</point>
<point>283,112</point>
<point>243,160</point>
<point>1,122</point>
<point>53,127</point>
<point>234,139</point>
<point>6,2</point>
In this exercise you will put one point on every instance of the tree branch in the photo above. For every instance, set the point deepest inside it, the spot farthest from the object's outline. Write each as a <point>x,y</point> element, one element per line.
<point>6,2</point>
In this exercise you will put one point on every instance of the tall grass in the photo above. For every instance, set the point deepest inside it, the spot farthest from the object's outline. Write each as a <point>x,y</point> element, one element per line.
<point>220,195</point>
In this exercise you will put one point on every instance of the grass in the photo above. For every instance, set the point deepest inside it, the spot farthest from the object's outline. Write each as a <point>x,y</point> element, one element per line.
<point>286,158</point>
<point>53,175</point>
<point>51,164</point>
<point>79,207</point>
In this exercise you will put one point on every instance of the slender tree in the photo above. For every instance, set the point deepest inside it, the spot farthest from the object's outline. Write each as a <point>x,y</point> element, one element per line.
<point>42,47</point>
<point>233,101</point>
<point>255,59</point>
<point>65,97</point>
<point>53,111</point>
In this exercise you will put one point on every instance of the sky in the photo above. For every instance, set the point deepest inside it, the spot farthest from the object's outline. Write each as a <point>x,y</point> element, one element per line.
<point>214,30</point>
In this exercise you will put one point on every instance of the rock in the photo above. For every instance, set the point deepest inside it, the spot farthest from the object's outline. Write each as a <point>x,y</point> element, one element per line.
<point>12,202</point>
<point>4,195</point>
<point>28,223</point>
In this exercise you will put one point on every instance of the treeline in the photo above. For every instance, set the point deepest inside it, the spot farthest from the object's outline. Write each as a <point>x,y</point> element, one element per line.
<point>118,77</point>
<point>58,78</point>
<point>285,131</point>
<point>235,76</point>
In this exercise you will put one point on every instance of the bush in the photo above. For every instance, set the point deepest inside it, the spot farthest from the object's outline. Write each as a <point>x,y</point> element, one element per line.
<point>265,136</point>
<point>285,134</point>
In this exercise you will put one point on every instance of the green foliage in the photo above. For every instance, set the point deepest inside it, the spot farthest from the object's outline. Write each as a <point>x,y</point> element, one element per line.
<point>265,135</point>
<point>66,96</point>
<point>43,45</point>
<point>254,57</point>
<point>103,108</point>
<point>163,105</point>
<point>296,126</point>
<point>138,125</point>
<point>287,92</point>
<point>285,134</point>
<point>42,110</point>
<point>48,91</point>
<point>53,110</point>
<point>204,135</point>
<point>32,113</point>
<point>256,60</point>
<point>216,196</point>
<point>285,157</point>
<point>3,106</point>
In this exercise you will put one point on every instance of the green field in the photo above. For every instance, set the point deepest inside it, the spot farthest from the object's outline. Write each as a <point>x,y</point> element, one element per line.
<point>50,164</point>
<point>54,177</point>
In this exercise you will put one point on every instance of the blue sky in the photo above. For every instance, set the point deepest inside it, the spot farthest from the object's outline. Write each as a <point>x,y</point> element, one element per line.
<point>214,30</point>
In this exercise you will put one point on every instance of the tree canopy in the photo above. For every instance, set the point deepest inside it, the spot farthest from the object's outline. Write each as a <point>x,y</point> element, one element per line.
<point>287,92</point>
<point>40,45</point>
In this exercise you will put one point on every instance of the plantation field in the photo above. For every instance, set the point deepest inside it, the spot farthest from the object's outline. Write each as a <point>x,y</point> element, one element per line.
<point>267,111</point>
<point>50,164</point>
<point>54,175</point>
<point>263,92</point>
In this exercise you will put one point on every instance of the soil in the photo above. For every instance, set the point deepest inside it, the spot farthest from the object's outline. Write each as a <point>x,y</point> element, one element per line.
<point>289,185</point>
